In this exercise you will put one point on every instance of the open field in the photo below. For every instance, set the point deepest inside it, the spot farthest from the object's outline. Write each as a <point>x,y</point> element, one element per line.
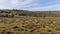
<point>30,23</point>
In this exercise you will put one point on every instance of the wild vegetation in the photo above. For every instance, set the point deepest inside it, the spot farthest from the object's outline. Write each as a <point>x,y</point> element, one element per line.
<point>28,22</point>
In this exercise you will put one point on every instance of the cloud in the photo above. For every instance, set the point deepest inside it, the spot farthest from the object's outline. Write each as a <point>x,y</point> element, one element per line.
<point>2,1</point>
<point>51,7</point>
<point>47,8</point>
<point>30,4</point>
<point>24,4</point>
<point>18,2</point>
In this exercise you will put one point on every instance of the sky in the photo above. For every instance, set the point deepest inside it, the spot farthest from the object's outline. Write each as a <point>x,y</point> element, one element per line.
<point>33,5</point>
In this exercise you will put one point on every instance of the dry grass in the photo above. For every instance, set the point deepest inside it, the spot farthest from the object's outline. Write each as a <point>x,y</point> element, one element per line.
<point>30,25</point>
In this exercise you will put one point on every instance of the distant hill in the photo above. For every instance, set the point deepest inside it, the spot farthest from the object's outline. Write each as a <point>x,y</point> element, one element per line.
<point>14,13</point>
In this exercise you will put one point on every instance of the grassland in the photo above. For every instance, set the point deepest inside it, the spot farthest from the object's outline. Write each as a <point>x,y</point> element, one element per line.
<point>30,23</point>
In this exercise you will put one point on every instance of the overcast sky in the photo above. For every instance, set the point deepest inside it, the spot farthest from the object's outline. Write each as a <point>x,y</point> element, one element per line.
<point>37,5</point>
